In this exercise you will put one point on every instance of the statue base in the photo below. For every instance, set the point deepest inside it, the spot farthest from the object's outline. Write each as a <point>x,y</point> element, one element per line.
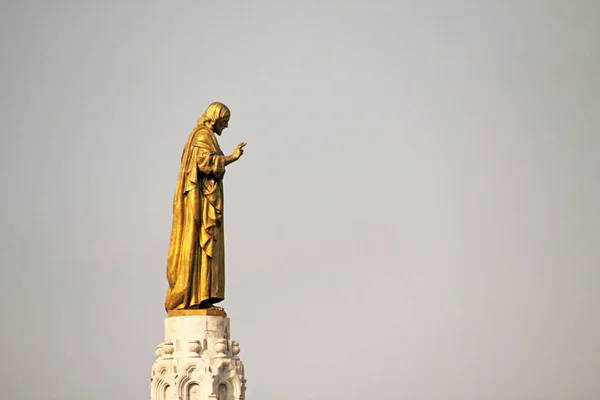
<point>197,360</point>
<point>216,311</point>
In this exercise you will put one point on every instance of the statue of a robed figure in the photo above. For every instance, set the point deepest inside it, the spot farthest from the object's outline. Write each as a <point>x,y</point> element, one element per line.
<point>198,358</point>
<point>196,262</point>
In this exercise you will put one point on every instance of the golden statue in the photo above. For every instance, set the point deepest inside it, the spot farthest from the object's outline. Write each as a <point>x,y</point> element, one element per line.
<point>196,263</point>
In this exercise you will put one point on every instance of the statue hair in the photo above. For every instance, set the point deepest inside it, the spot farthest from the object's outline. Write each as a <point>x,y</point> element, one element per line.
<point>213,113</point>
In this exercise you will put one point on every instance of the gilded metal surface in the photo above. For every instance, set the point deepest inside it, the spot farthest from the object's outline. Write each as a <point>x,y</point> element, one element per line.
<point>216,311</point>
<point>196,262</point>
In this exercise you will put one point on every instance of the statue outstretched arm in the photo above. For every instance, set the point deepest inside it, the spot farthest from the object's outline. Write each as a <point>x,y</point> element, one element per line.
<point>237,153</point>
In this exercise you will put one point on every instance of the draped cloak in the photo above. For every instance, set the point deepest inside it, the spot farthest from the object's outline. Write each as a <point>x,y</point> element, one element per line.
<point>196,262</point>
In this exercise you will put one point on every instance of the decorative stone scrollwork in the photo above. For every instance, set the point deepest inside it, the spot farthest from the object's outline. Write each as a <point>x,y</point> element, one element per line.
<point>235,348</point>
<point>221,348</point>
<point>168,349</point>
<point>197,361</point>
<point>194,348</point>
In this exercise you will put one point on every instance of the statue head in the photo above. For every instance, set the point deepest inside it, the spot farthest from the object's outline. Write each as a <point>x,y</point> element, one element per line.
<point>215,117</point>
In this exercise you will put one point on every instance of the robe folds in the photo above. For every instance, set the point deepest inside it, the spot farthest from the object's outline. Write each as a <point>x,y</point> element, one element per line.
<point>196,262</point>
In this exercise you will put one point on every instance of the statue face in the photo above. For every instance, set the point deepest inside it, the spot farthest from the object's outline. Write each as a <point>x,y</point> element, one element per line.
<point>220,125</point>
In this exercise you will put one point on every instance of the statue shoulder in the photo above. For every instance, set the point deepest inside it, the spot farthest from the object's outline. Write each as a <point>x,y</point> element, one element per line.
<point>203,137</point>
<point>202,132</point>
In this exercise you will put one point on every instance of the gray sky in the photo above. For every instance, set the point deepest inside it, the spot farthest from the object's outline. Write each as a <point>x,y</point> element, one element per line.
<point>415,215</point>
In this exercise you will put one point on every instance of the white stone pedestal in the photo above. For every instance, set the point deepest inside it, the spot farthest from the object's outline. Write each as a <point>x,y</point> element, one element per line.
<point>197,361</point>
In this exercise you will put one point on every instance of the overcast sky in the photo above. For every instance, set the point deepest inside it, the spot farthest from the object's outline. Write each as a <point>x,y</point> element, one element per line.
<point>415,216</point>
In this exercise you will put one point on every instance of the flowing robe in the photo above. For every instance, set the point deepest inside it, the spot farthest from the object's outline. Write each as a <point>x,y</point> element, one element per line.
<point>196,262</point>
